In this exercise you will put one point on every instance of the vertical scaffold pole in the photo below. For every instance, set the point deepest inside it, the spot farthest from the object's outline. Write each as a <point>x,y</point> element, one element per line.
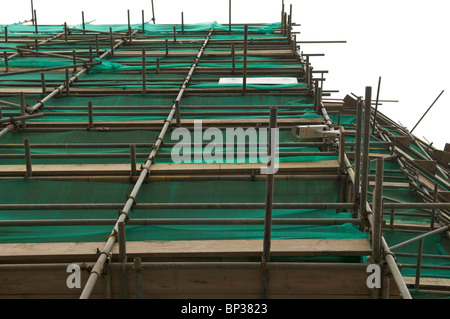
<point>377,207</point>
<point>97,47</point>
<point>133,160</point>
<point>419,264</point>
<point>153,13</point>
<point>111,41</point>
<point>229,15</point>
<point>123,261</point>
<point>32,13</point>
<point>44,91</point>
<point>6,62</point>
<point>138,277</point>
<point>144,72</point>
<point>91,116</point>
<point>22,109</point>
<point>365,153</point>
<point>233,59</point>
<point>182,22</point>
<point>426,112</point>
<point>26,143</point>
<point>358,138</point>
<point>129,23</point>
<point>244,76</point>
<point>269,199</point>
<point>35,22</point>
<point>177,113</point>
<point>376,106</point>
<point>82,21</point>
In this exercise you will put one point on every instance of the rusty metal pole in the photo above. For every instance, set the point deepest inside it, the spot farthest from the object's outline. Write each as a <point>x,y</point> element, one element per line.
<point>244,76</point>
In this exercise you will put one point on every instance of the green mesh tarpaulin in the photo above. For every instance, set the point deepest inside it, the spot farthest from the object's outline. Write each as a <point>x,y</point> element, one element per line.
<point>149,28</point>
<point>140,137</point>
<point>32,191</point>
<point>432,245</point>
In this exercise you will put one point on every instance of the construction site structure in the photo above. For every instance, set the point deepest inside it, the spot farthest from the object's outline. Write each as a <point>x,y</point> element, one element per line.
<point>116,178</point>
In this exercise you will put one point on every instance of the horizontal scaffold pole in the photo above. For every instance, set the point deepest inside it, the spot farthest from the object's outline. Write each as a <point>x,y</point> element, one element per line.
<point>180,221</point>
<point>87,206</point>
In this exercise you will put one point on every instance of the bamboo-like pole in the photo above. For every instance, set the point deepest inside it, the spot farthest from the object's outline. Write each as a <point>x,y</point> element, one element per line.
<point>6,61</point>
<point>229,15</point>
<point>97,48</point>
<point>358,138</point>
<point>90,115</point>
<point>419,264</point>
<point>177,113</point>
<point>144,72</point>
<point>35,22</point>
<point>129,23</point>
<point>365,154</point>
<point>377,219</point>
<point>426,112</point>
<point>111,42</point>
<point>179,221</point>
<point>244,76</point>
<point>22,109</point>
<point>233,58</point>
<point>138,277</point>
<point>269,199</point>
<point>26,143</point>
<point>123,260</point>
<point>377,208</point>
<point>153,13</point>
<point>32,13</point>
<point>82,21</point>
<point>44,91</point>
<point>67,83</point>
<point>376,106</point>
<point>182,22</point>
<point>100,206</point>
<point>133,159</point>
<point>8,128</point>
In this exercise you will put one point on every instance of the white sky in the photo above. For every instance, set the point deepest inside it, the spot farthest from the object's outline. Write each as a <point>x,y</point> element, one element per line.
<point>407,43</point>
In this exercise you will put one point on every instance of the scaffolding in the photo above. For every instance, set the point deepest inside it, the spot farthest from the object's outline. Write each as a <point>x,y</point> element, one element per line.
<point>89,180</point>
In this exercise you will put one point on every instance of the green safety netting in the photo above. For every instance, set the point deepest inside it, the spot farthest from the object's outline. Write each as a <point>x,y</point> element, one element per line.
<point>108,66</point>
<point>149,28</point>
<point>148,137</point>
<point>33,191</point>
<point>141,100</point>
<point>421,294</point>
<point>432,245</point>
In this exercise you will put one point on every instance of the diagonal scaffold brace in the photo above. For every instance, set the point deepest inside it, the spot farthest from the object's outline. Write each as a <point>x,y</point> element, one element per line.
<point>98,267</point>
